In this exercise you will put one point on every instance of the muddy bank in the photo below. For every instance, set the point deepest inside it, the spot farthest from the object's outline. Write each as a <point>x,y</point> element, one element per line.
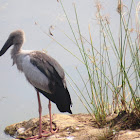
<point>76,127</point>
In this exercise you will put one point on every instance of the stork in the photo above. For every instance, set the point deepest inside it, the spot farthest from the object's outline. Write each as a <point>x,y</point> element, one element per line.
<point>43,72</point>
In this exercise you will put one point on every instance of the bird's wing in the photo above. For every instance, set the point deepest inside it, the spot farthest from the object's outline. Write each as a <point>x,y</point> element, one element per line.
<point>50,68</point>
<point>54,74</point>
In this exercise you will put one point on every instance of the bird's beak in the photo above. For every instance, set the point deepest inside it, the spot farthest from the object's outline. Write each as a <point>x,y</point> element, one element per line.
<point>6,46</point>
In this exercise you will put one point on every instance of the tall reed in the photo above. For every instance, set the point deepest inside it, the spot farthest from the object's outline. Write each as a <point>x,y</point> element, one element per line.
<point>111,86</point>
<point>123,83</point>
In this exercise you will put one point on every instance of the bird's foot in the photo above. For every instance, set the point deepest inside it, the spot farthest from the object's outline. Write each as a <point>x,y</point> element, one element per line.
<point>34,137</point>
<point>43,134</point>
<point>54,131</point>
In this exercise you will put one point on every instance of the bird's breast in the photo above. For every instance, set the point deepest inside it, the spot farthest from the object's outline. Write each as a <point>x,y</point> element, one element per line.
<point>34,75</point>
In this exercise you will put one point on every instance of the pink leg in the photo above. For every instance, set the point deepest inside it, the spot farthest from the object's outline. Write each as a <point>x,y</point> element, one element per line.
<point>40,112</point>
<point>49,106</point>
<point>40,120</point>
<point>51,129</point>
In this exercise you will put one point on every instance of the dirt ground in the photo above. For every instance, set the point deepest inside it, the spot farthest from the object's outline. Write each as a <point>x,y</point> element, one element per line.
<point>80,127</point>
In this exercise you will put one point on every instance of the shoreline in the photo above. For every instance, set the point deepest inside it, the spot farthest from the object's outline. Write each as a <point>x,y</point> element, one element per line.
<point>77,127</point>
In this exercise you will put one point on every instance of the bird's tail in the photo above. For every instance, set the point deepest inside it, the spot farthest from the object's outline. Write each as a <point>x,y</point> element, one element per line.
<point>60,97</point>
<point>63,100</point>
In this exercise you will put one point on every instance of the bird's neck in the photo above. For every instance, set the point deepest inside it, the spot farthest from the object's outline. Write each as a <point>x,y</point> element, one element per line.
<point>15,51</point>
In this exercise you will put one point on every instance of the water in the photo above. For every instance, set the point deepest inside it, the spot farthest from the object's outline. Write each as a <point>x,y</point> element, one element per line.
<point>18,100</point>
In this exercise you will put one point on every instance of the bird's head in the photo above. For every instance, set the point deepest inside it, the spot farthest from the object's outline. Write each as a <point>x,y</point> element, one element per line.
<point>15,38</point>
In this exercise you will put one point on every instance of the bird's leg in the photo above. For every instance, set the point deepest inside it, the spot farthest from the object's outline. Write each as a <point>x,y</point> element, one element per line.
<point>40,120</point>
<point>42,134</point>
<point>51,129</point>
<point>49,106</point>
<point>40,112</point>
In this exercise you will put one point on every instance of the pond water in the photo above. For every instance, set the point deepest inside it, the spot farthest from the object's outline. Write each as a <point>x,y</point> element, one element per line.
<point>18,99</point>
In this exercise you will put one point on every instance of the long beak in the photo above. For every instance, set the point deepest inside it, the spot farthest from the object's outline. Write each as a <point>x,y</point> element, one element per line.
<point>6,46</point>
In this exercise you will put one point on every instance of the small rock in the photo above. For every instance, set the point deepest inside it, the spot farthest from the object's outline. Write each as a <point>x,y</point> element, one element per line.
<point>70,138</point>
<point>77,128</point>
<point>20,131</point>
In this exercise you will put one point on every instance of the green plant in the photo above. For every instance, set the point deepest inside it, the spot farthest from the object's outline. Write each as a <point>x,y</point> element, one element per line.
<point>123,83</point>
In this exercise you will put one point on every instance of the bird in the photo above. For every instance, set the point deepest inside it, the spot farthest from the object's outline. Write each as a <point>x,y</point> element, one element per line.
<point>43,72</point>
